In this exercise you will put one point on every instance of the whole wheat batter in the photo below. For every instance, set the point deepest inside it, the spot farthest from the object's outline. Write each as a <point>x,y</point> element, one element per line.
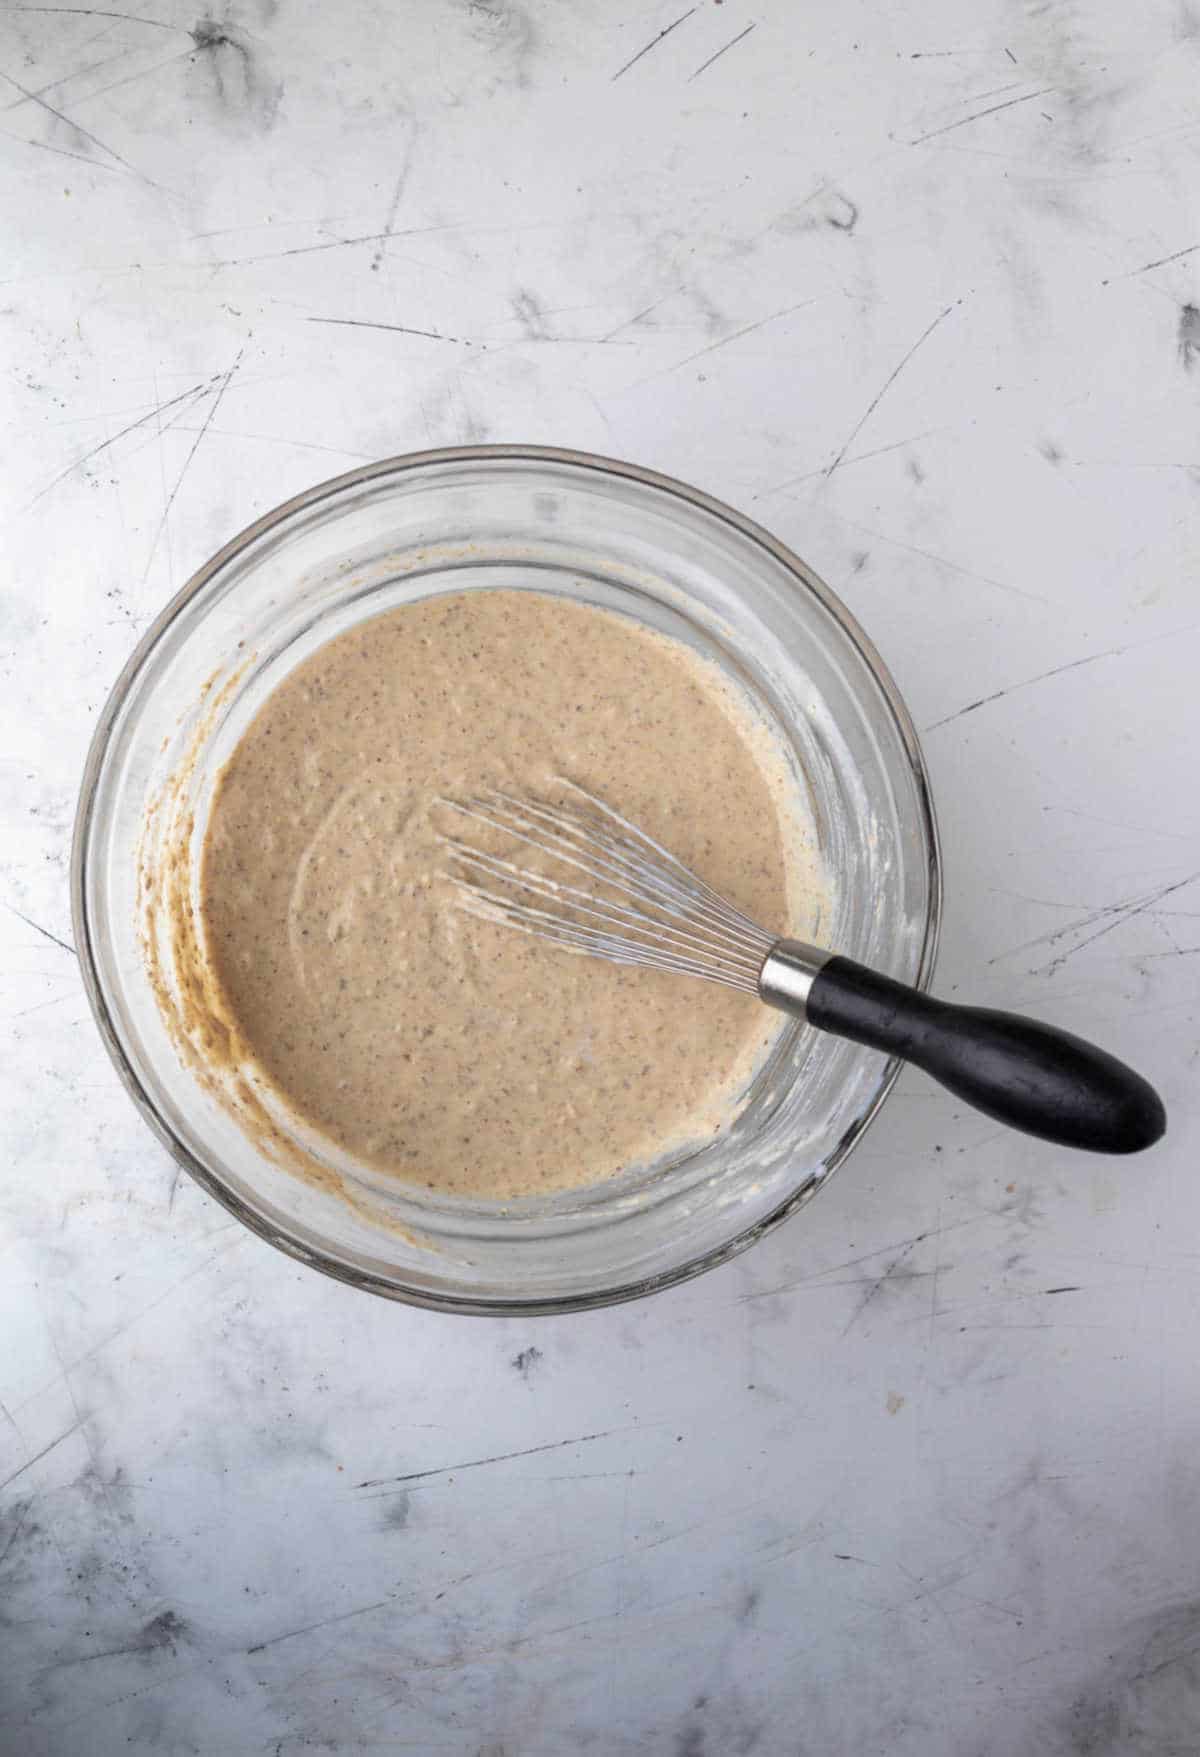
<point>451,1052</point>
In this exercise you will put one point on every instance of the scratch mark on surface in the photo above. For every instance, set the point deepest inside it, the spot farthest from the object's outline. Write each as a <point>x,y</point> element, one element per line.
<point>325,1623</point>
<point>389,224</point>
<point>196,390</point>
<point>298,250</point>
<point>811,1284</point>
<point>179,422</point>
<point>127,1696</point>
<point>1121,917</point>
<point>129,79</point>
<point>594,1476</point>
<point>969,573</point>
<point>17,1529</point>
<point>636,318</point>
<point>60,116</point>
<point>403,329</point>
<point>724,341</point>
<point>1173,1659</point>
<point>38,1456</point>
<point>208,421</point>
<point>878,1285</point>
<point>1025,683</point>
<point>1159,262</point>
<point>93,12</point>
<point>1048,1290</point>
<point>888,383</point>
<point>1108,653</point>
<point>67,78</point>
<point>333,451</point>
<point>461,226</point>
<point>733,41</point>
<point>848,463</point>
<point>653,43</point>
<point>903,1245</point>
<point>174,1187</point>
<point>41,1006</point>
<point>163,1631</point>
<point>1093,915</point>
<point>44,931</point>
<point>990,1603</point>
<point>993,91</point>
<point>376,1482</point>
<point>978,115</point>
<point>61,151</point>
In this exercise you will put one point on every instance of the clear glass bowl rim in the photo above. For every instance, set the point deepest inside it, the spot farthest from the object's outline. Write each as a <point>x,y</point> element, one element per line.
<point>805,580</point>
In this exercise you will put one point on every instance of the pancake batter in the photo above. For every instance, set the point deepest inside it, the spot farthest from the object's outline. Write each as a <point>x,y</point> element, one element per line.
<point>451,1052</point>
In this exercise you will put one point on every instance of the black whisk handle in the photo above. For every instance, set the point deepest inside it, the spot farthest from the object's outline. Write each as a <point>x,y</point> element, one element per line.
<point>1026,1074</point>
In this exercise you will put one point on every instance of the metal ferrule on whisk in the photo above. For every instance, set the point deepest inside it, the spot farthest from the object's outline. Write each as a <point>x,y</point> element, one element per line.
<point>789,970</point>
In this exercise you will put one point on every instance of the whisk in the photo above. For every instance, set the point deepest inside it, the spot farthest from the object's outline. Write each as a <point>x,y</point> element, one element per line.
<point>602,886</point>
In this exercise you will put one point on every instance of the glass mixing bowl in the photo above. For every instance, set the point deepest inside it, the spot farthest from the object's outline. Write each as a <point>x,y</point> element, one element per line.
<point>611,535</point>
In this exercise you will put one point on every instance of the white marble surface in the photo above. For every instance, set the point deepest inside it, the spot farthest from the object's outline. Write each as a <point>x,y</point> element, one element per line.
<point>916,285</point>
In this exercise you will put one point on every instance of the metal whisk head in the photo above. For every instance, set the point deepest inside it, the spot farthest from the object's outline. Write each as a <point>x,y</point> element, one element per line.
<point>602,886</point>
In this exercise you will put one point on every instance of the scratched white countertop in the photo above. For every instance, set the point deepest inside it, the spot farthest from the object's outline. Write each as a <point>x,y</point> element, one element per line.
<point>917,286</point>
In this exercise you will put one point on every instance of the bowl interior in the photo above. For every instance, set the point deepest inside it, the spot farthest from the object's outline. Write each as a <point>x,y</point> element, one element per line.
<point>590,530</point>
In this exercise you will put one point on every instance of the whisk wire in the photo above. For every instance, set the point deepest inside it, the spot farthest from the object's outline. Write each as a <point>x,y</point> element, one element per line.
<point>604,941</point>
<point>632,837</point>
<point>592,854</point>
<point>625,916</point>
<point>615,949</point>
<point>651,910</point>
